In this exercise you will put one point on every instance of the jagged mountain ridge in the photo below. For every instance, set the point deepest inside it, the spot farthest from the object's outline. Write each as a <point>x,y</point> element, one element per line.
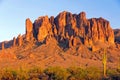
<point>71,29</point>
<point>68,33</point>
<point>67,27</point>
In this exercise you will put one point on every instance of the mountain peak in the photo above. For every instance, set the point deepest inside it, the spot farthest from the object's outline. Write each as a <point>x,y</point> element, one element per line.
<point>65,27</point>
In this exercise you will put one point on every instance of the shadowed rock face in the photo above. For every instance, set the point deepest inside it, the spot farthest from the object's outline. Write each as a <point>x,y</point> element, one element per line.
<point>66,26</point>
<point>117,35</point>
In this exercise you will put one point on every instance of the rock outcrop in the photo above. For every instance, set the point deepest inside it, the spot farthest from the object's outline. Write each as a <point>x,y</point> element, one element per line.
<point>29,30</point>
<point>43,28</point>
<point>19,40</point>
<point>68,29</point>
<point>7,56</point>
<point>117,35</point>
<point>3,46</point>
<point>67,26</point>
<point>14,42</point>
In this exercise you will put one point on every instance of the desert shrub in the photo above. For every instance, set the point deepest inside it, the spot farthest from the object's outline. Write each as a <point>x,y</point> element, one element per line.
<point>77,73</point>
<point>118,69</point>
<point>22,74</point>
<point>36,73</point>
<point>113,74</point>
<point>93,73</point>
<point>56,73</point>
<point>36,70</point>
<point>7,74</point>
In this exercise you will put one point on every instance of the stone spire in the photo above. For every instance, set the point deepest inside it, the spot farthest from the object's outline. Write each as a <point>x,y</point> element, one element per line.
<point>20,40</point>
<point>29,29</point>
<point>3,46</point>
<point>14,41</point>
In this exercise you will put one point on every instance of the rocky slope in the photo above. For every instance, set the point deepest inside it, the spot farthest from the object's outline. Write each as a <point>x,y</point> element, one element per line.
<point>62,39</point>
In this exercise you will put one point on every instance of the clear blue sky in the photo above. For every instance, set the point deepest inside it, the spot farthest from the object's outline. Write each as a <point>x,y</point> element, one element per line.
<point>14,12</point>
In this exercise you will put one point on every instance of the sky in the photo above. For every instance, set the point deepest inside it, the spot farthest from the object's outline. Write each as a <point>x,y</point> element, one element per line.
<point>13,13</point>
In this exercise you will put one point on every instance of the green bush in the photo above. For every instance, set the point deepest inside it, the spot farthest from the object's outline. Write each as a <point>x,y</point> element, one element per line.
<point>7,74</point>
<point>77,73</point>
<point>22,74</point>
<point>35,73</point>
<point>57,73</point>
<point>93,73</point>
<point>114,74</point>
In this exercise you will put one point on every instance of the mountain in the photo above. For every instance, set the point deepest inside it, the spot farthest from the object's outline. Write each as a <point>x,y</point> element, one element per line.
<point>117,35</point>
<point>65,40</point>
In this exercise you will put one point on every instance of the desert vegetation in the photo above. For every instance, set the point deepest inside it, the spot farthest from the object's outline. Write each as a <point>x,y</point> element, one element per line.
<point>57,73</point>
<point>104,63</point>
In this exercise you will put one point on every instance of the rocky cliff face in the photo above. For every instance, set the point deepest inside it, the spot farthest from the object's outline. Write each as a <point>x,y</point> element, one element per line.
<point>68,30</point>
<point>67,26</point>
